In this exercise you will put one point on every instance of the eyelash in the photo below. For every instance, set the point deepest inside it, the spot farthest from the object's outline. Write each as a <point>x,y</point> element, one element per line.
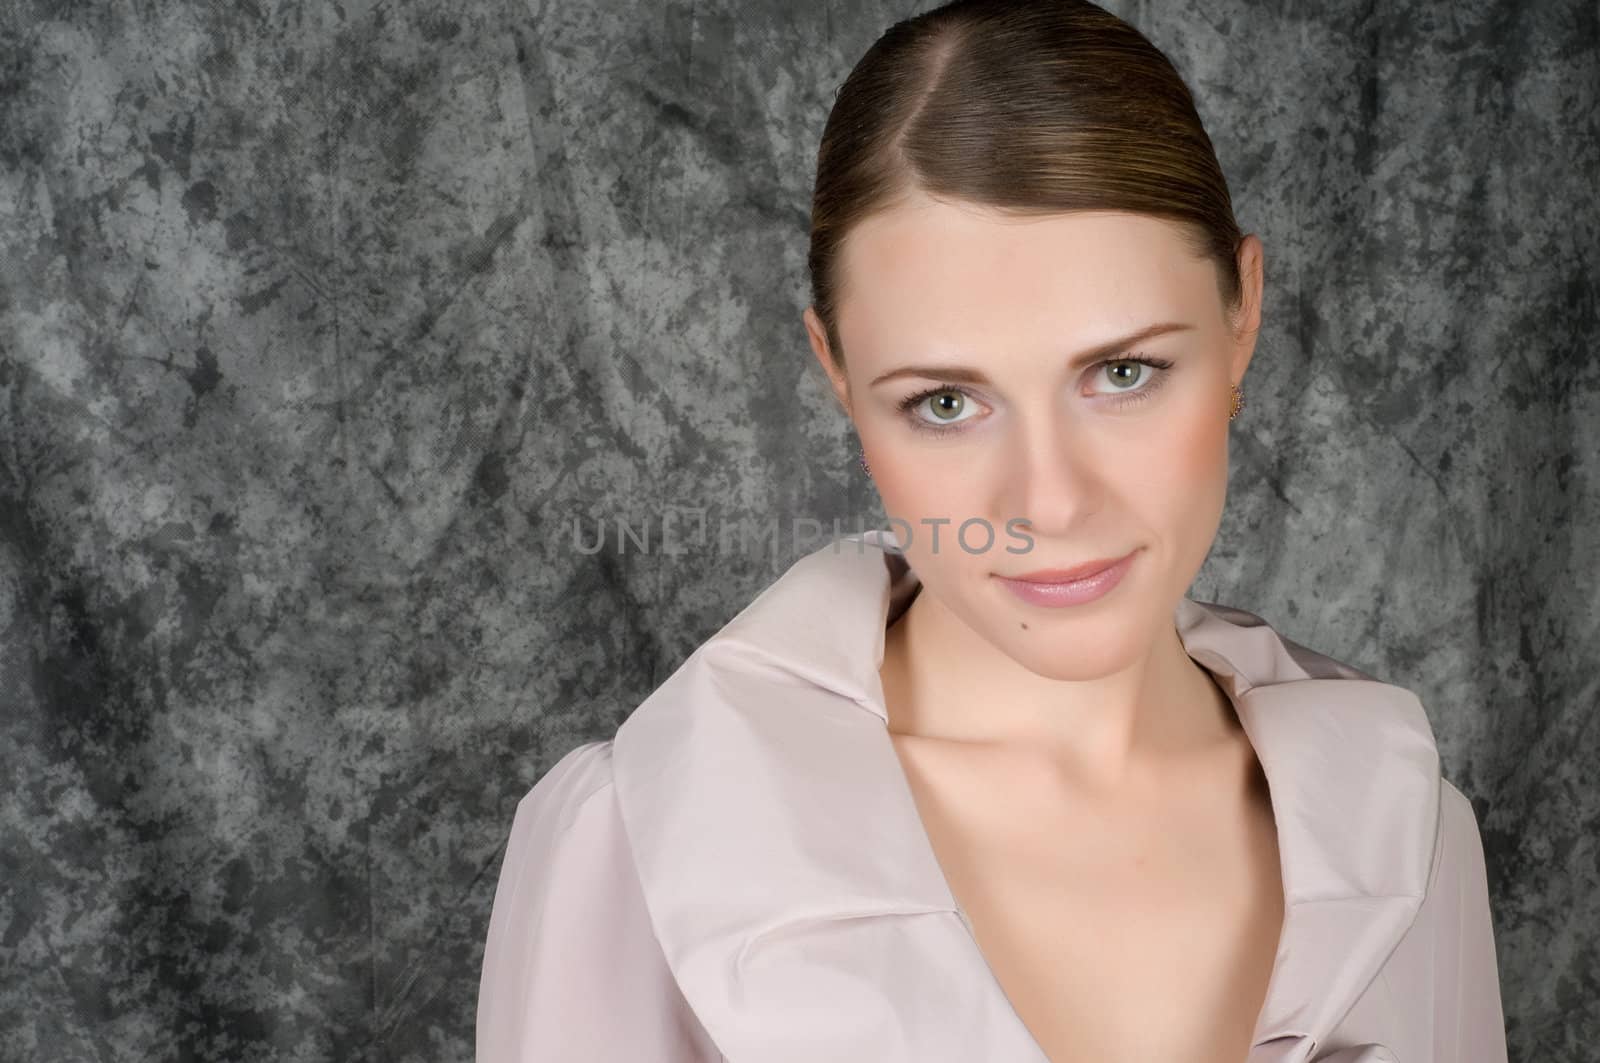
<point>910,402</point>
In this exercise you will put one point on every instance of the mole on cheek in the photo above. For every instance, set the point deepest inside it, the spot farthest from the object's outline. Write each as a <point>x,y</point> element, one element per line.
<point>1024,625</point>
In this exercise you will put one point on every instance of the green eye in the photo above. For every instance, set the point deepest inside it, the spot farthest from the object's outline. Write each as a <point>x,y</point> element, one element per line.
<point>1134,378</point>
<point>1133,371</point>
<point>937,409</point>
<point>947,405</point>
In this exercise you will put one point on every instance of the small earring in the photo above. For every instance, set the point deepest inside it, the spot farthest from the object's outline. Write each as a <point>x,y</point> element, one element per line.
<point>1238,401</point>
<point>862,457</point>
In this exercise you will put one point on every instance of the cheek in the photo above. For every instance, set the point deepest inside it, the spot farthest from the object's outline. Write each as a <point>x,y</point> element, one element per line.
<point>911,497</point>
<point>1196,475</point>
<point>1176,474</point>
<point>1199,452</point>
<point>899,470</point>
<point>960,491</point>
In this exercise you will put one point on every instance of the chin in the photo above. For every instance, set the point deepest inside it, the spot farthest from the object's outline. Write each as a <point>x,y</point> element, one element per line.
<point>1060,650</point>
<point>1077,642</point>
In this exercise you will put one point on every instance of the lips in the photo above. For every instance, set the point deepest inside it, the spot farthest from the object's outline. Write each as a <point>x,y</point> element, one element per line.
<point>1068,575</point>
<point>1055,588</point>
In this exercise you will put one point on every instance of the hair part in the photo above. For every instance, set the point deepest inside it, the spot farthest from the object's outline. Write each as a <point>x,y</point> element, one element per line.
<point>1026,107</point>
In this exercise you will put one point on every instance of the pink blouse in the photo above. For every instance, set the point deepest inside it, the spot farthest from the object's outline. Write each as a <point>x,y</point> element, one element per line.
<point>740,875</point>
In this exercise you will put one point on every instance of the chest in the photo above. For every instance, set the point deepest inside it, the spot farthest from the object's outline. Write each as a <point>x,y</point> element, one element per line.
<point>1140,932</point>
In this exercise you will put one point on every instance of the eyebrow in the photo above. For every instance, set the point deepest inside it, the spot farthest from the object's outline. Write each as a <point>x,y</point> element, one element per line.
<point>966,375</point>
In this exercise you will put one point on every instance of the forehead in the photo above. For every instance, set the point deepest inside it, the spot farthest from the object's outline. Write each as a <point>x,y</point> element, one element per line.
<point>963,270</point>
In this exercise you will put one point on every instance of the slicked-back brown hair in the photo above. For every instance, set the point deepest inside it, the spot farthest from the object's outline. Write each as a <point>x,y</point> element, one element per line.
<point>1030,107</point>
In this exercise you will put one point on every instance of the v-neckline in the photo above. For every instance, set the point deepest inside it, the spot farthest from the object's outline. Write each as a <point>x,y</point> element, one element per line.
<point>961,913</point>
<point>777,855</point>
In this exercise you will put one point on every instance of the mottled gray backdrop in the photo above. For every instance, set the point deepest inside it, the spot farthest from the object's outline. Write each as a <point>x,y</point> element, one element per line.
<point>320,323</point>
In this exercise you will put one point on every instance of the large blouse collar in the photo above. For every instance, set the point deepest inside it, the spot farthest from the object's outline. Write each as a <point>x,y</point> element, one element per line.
<point>796,894</point>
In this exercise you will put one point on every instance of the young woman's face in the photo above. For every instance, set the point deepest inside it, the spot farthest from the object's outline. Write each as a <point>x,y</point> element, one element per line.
<point>992,380</point>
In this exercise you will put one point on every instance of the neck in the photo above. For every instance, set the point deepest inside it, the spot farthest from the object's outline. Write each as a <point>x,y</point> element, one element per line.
<point>945,683</point>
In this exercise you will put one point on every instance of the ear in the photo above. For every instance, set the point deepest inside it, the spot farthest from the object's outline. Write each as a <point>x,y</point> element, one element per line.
<point>1247,324</point>
<point>818,335</point>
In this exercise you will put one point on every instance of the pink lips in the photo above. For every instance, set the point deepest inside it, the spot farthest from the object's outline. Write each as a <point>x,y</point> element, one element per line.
<point>1073,586</point>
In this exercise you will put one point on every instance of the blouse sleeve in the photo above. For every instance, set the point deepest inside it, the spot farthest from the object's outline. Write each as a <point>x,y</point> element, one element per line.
<point>1469,1025</point>
<point>571,968</point>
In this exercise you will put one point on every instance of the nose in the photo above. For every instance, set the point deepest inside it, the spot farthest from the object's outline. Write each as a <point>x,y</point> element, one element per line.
<point>1054,477</point>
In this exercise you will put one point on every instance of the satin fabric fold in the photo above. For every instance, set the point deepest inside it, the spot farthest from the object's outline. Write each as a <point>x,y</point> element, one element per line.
<point>796,895</point>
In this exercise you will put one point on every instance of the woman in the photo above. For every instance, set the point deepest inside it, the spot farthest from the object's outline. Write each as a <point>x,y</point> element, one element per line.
<point>992,787</point>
